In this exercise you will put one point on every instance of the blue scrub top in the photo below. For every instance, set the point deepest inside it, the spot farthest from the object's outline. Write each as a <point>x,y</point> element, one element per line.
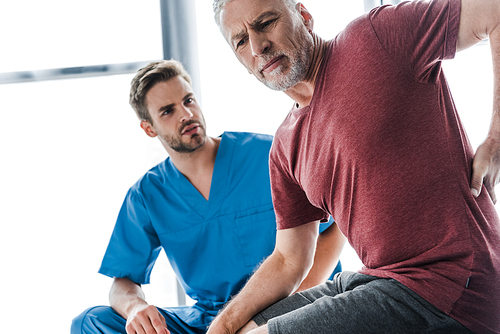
<point>213,246</point>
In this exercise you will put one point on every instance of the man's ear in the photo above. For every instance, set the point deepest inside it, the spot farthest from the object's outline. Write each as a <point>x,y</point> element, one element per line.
<point>148,128</point>
<point>308,19</point>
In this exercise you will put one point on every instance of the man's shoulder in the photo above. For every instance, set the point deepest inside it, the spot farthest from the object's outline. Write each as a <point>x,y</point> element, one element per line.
<point>247,148</point>
<point>155,176</point>
<point>248,141</point>
<point>247,137</point>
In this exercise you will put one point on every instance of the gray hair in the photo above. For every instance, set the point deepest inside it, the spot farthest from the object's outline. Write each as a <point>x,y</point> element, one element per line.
<point>219,5</point>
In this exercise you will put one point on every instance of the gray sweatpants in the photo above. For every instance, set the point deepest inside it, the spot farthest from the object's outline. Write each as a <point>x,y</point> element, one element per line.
<point>357,303</point>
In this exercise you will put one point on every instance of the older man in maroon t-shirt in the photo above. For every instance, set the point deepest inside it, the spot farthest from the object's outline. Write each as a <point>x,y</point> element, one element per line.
<point>374,140</point>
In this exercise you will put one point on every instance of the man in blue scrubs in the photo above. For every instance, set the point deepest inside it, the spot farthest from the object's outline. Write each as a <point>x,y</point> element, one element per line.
<point>208,206</point>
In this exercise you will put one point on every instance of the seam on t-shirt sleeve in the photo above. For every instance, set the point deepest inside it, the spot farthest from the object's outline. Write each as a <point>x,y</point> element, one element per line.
<point>449,37</point>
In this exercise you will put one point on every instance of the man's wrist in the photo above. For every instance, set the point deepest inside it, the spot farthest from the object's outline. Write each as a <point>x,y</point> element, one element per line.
<point>223,324</point>
<point>134,307</point>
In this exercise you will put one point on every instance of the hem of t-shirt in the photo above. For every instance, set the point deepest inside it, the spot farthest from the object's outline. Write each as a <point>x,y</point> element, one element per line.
<point>445,305</point>
<point>302,220</point>
<point>139,279</point>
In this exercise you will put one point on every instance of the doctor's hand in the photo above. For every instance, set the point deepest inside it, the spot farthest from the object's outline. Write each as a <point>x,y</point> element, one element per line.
<point>486,168</point>
<point>146,319</point>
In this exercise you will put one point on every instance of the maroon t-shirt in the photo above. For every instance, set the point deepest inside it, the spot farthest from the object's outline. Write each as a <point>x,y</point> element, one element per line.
<point>381,149</point>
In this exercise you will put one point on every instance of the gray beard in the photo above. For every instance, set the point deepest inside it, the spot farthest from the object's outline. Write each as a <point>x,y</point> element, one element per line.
<point>296,73</point>
<point>300,61</point>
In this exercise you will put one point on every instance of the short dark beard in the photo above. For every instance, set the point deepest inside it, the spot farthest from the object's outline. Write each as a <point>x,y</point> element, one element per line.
<point>177,145</point>
<point>181,147</point>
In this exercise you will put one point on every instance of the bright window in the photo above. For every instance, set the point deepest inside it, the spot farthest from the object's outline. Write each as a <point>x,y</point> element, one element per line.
<point>67,33</point>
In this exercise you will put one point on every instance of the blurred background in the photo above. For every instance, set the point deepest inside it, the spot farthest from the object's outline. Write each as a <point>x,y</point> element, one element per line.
<point>71,146</point>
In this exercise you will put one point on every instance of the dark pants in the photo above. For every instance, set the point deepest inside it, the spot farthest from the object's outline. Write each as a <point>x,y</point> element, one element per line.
<point>357,303</point>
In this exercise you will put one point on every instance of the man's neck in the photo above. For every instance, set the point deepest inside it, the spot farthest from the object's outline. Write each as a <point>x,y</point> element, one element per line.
<point>302,92</point>
<point>198,166</point>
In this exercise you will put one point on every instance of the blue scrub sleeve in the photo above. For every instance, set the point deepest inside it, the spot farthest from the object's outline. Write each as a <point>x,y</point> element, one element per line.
<point>134,245</point>
<point>324,226</point>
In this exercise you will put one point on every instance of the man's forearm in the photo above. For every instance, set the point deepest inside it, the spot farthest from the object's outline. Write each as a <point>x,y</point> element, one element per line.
<point>491,175</point>
<point>125,295</point>
<point>271,283</point>
<point>480,19</point>
<point>277,278</point>
<point>328,249</point>
<point>127,298</point>
<point>495,54</point>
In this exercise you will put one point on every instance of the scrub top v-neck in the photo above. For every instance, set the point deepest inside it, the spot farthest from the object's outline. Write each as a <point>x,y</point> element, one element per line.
<point>218,185</point>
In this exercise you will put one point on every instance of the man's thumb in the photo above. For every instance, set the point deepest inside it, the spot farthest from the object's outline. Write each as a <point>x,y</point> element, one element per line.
<point>476,183</point>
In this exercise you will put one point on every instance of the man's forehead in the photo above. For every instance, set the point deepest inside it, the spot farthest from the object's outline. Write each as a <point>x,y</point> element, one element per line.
<point>237,13</point>
<point>172,89</point>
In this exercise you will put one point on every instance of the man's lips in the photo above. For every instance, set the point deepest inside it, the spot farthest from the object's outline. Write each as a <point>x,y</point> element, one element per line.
<point>272,64</point>
<point>190,129</point>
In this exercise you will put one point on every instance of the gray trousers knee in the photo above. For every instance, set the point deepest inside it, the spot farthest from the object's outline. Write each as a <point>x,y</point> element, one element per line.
<point>357,303</point>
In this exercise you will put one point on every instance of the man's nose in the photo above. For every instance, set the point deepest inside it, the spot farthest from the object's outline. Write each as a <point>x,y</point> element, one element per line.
<point>186,115</point>
<point>259,44</point>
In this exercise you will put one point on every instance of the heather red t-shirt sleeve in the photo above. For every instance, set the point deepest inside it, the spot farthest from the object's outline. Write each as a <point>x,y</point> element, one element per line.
<point>418,34</point>
<point>290,202</point>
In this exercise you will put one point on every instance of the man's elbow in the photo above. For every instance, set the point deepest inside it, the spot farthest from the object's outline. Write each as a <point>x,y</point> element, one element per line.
<point>294,269</point>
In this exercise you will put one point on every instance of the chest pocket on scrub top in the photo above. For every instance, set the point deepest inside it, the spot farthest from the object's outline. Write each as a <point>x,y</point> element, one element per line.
<point>256,234</point>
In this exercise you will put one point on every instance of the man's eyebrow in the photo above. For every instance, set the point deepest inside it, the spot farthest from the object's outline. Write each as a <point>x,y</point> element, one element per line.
<point>165,108</point>
<point>188,95</point>
<point>252,25</point>
<point>238,36</point>
<point>171,105</point>
<point>261,18</point>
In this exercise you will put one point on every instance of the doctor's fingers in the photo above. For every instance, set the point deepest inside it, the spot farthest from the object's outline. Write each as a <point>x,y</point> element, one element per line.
<point>148,321</point>
<point>147,329</point>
